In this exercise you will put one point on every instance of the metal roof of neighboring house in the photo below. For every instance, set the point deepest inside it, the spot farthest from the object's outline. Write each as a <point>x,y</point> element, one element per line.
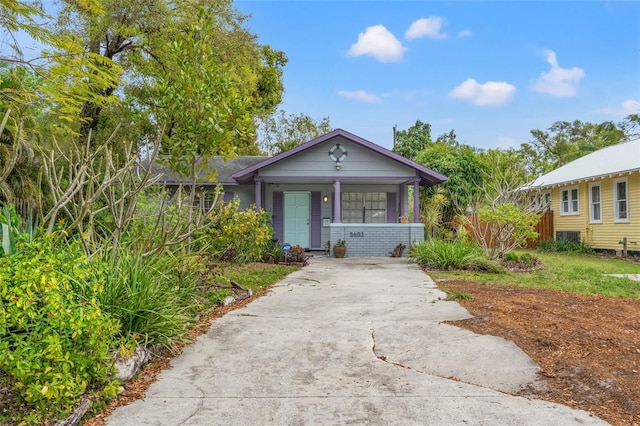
<point>224,167</point>
<point>613,160</point>
<point>427,176</point>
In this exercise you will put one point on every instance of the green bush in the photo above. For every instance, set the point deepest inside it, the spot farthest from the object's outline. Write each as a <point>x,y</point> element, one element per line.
<point>522,259</point>
<point>154,298</point>
<point>445,254</point>
<point>239,235</point>
<point>564,246</point>
<point>53,343</point>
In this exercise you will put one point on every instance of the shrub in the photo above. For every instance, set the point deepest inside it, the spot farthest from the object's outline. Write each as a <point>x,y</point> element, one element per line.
<point>238,235</point>
<point>54,344</point>
<point>564,246</point>
<point>444,254</point>
<point>273,252</point>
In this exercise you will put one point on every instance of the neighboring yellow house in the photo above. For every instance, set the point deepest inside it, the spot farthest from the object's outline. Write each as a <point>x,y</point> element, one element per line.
<point>596,198</point>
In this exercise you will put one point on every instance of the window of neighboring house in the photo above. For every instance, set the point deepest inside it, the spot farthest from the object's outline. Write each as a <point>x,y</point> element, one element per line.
<point>620,200</point>
<point>540,202</point>
<point>364,207</point>
<point>595,203</point>
<point>569,201</point>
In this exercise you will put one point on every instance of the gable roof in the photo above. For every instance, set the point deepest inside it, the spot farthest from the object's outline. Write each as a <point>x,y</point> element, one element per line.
<point>225,169</point>
<point>427,176</point>
<point>609,161</point>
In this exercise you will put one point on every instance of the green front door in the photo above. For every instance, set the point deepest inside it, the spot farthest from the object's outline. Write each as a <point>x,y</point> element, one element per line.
<point>296,218</point>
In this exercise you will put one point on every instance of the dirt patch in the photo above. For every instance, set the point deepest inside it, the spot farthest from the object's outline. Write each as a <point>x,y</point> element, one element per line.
<point>588,347</point>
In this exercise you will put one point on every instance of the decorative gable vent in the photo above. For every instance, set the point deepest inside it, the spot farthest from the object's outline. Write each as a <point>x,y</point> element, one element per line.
<point>571,236</point>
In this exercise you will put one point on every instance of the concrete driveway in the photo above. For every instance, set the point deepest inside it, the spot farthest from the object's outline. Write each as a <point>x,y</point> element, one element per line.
<point>348,341</point>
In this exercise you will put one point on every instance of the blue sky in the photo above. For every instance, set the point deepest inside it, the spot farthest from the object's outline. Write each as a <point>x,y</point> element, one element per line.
<point>492,71</point>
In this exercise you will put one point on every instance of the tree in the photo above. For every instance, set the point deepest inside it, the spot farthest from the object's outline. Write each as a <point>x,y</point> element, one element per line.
<point>139,36</point>
<point>199,99</point>
<point>463,167</point>
<point>497,212</point>
<point>566,141</point>
<point>409,143</point>
<point>280,132</point>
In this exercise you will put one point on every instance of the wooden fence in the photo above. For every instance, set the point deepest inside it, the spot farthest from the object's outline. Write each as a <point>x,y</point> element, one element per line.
<point>544,228</point>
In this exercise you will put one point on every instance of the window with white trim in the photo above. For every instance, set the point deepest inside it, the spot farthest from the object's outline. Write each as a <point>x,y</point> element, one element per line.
<point>569,201</point>
<point>364,207</point>
<point>540,202</point>
<point>595,203</point>
<point>620,200</point>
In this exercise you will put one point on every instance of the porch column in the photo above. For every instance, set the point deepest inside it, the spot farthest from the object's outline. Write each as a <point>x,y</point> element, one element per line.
<point>416,201</point>
<point>258,193</point>
<point>337,208</point>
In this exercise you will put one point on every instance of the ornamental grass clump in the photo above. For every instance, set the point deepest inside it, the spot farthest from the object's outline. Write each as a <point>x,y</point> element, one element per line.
<point>154,298</point>
<point>441,254</point>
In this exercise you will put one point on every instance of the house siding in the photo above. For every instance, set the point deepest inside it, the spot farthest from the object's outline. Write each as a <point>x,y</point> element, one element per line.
<point>608,234</point>
<point>315,162</point>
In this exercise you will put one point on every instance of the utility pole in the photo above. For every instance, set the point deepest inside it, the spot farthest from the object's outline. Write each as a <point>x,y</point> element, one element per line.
<point>394,136</point>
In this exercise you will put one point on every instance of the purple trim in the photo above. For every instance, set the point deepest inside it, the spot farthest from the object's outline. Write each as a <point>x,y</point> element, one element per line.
<point>258,194</point>
<point>185,183</point>
<point>416,201</point>
<point>402,191</point>
<point>392,207</point>
<point>302,179</point>
<point>427,176</point>
<point>316,219</point>
<point>228,196</point>
<point>337,196</point>
<point>278,215</point>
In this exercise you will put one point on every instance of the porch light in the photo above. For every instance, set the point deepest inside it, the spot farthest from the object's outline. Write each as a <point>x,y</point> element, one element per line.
<point>338,165</point>
<point>325,199</point>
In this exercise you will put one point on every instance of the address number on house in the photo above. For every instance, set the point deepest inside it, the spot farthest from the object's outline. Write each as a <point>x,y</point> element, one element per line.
<point>356,234</point>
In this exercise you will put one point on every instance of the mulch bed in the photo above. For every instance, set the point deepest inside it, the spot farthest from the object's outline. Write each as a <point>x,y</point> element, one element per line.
<point>588,347</point>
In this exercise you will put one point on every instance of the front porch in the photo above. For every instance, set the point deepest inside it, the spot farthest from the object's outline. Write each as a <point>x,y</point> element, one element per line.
<point>376,239</point>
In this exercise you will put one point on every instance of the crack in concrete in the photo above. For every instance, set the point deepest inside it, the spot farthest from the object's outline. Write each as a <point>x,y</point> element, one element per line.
<point>382,357</point>
<point>198,408</point>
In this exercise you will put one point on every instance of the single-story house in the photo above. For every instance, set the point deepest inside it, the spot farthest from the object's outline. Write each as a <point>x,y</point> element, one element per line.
<point>336,186</point>
<point>596,198</point>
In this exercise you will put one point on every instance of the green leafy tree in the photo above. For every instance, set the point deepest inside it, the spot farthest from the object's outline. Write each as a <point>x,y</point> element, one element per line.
<point>566,141</point>
<point>280,132</point>
<point>198,97</point>
<point>508,226</point>
<point>463,167</point>
<point>409,143</point>
<point>139,38</point>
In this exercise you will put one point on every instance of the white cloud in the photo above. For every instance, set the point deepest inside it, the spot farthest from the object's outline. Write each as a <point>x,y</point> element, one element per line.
<point>426,27</point>
<point>465,33</point>
<point>491,93</point>
<point>378,42</point>
<point>360,96</point>
<point>562,82</point>
<point>630,106</point>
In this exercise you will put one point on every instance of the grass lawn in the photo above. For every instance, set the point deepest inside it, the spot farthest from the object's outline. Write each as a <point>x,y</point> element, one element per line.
<point>256,276</point>
<point>572,272</point>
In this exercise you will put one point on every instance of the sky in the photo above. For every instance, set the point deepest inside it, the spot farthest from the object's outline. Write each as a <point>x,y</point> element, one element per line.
<point>490,70</point>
